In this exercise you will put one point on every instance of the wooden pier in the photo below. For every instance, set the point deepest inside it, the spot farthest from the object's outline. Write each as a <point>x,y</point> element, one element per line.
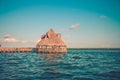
<point>38,50</point>
<point>13,50</point>
<point>53,49</point>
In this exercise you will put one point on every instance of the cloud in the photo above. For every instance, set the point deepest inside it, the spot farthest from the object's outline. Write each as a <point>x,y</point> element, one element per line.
<point>14,40</point>
<point>7,35</point>
<point>74,26</point>
<point>10,40</point>
<point>7,38</point>
<point>103,17</point>
<point>28,41</point>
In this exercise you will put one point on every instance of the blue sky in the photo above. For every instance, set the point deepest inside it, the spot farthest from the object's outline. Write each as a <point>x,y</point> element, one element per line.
<point>82,23</point>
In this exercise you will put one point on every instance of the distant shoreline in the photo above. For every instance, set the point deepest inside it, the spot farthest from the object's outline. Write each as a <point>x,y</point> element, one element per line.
<point>28,49</point>
<point>93,48</point>
<point>67,48</point>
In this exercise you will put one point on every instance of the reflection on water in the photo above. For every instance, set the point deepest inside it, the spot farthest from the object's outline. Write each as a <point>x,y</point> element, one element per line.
<point>51,69</point>
<point>51,57</point>
<point>74,65</point>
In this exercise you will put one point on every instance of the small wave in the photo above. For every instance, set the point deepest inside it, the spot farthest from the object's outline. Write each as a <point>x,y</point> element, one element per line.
<point>52,74</point>
<point>111,74</point>
<point>81,78</point>
<point>76,57</point>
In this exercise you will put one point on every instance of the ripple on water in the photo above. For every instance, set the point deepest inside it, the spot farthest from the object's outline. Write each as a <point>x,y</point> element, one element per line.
<point>76,57</point>
<point>81,78</point>
<point>111,74</point>
<point>75,65</point>
<point>53,74</point>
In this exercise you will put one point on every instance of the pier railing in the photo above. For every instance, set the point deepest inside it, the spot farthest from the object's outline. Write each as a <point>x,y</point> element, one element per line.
<point>48,50</point>
<point>10,50</point>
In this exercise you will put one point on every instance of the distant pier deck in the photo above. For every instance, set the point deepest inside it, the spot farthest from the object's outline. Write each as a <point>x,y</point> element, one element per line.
<point>22,50</point>
<point>12,50</point>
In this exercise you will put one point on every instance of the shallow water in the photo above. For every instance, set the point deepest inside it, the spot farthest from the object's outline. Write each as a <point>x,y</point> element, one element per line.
<point>74,65</point>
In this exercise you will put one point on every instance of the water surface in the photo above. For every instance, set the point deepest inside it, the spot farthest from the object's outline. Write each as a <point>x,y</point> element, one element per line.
<point>76,64</point>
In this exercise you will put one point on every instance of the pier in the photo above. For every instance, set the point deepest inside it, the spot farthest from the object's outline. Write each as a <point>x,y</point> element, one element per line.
<point>19,50</point>
<point>38,50</point>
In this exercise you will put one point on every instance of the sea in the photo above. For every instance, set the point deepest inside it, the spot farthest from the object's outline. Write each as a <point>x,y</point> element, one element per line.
<point>76,64</point>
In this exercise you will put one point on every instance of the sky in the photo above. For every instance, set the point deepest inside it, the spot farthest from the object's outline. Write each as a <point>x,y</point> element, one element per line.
<point>82,23</point>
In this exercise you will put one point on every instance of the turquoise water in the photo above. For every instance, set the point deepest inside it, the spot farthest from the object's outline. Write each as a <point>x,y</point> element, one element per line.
<point>74,65</point>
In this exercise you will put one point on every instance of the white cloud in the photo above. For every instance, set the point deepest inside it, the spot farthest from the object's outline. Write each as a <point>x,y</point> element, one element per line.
<point>7,35</point>
<point>74,26</point>
<point>10,40</point>
<point>14,40</point>
<point>28,41</point>
<point>103,17</point>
